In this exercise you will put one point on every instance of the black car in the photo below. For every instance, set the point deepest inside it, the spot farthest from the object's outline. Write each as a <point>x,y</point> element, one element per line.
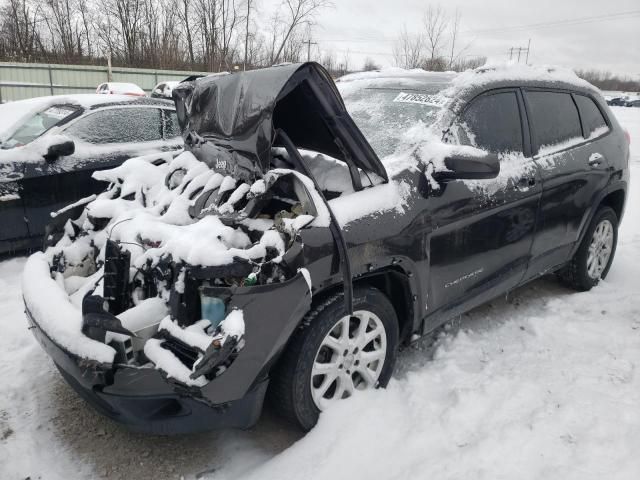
<point>47,155</point>
<point>296,243</point>
<point>633,103</point>
<point>617,102</point>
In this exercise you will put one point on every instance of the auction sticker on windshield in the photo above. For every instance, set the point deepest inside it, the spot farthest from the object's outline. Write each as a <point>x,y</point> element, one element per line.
<point>420,98</point>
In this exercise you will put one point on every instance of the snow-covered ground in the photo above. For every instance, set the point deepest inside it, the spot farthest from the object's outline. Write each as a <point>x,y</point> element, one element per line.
<point>542,384</point>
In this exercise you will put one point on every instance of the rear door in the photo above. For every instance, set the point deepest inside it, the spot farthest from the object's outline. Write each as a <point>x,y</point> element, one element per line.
<point>483,229</point>
<point>104,139</point>
<point>565,127</point>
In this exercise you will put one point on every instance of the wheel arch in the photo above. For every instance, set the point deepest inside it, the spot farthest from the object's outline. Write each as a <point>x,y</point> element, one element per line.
<point>396,284</point>
<point>614,197</point>
<point>615,200</point>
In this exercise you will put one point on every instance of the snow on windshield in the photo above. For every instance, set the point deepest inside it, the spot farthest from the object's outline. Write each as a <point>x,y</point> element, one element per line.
<point>385,114</point>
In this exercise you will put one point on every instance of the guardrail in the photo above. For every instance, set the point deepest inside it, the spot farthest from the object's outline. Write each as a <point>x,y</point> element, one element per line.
<point>26,80</point>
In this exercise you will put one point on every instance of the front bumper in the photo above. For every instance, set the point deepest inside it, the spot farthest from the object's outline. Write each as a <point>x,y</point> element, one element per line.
<point>146,400</point>
<point>143,400</point>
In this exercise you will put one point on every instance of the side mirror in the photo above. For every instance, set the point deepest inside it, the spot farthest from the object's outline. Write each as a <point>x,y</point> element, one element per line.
<point>59,149</point>
<point>461,167</point>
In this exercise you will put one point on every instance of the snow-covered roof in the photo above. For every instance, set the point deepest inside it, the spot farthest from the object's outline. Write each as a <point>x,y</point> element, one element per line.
<point>124,88</point>
<point>459,83</point>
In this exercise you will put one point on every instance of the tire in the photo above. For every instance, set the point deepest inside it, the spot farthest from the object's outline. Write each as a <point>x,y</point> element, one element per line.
<point>576,273</point>
<point>290,391</point>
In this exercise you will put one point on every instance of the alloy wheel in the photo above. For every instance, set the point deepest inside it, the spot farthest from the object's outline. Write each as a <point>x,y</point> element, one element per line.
<point>600,249</point>
<point>350,357</point>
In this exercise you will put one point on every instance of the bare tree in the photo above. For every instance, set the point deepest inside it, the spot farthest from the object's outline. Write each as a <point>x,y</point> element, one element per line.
<point>21,28</point>
<point>246,35</point>
<point>184,13</point>
<point>299,12</point>
<point>407,50</point>
<point>435,25</point>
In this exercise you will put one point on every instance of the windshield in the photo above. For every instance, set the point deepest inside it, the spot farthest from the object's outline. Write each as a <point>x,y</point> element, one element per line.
<point>384,114</point>
<point>39,123</point>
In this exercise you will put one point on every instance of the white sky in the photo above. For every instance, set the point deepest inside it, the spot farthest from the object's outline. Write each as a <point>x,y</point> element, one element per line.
<point>597,38</point>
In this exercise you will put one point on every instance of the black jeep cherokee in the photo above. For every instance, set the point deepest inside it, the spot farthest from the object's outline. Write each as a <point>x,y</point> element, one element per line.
<point>296,242</point>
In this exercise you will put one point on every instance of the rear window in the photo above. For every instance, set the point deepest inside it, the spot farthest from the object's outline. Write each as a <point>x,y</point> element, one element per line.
<point>554,117</point>
<point>492,123</point>
<point>592,118</point>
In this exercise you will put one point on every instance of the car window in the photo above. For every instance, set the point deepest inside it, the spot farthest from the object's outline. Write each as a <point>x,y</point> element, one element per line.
<point>594,122</point>
<point>171,127</point>
<point>385,115</point>
<point>554,117</point>
<point>39,123</point>
<point>492,122</point>
<point>119,125</point>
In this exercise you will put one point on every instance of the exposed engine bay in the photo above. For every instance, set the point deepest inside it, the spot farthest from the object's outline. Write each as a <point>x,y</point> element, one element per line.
<point>144,258</point>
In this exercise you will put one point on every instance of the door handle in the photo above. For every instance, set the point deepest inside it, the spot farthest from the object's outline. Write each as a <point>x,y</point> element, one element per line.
<point>596,159</point>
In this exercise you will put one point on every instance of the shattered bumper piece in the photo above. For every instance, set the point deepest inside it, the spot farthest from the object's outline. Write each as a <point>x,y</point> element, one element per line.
<point>147,399</point>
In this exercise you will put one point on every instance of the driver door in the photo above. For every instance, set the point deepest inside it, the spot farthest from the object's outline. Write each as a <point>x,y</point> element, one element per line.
<point>482,230</point>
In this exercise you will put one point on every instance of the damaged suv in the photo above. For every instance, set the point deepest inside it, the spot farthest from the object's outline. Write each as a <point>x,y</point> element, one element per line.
<point>300,238</point>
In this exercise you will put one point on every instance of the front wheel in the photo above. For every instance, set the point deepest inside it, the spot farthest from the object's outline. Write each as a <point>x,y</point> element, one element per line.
<point>593,259</point>
<point>334,354</point>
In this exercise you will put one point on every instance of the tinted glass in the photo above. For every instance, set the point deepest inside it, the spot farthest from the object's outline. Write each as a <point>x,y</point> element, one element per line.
<point>492,122</point>
<point>594,122</point>
<point>119,125</point>
<point>172,129</point>
<point>554,117</point>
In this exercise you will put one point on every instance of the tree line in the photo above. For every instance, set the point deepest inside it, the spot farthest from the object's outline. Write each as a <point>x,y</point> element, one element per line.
<point>437,45</point>
<point>208,35</point>
<point>218,35</point>
<point>606,80</point>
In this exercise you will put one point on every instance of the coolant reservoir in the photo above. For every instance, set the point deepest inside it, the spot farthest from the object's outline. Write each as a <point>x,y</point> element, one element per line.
<point>211,308</point>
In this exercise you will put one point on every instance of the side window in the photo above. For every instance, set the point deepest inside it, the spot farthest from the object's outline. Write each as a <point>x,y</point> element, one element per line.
<point>492,122</point>
<point>554,117</point>
<point>171,127</point>
<point>594,122</point>
<point>119,125</point>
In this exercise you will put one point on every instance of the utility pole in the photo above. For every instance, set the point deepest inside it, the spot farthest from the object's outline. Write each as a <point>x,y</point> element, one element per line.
<point>520,51</point>
<point>309,43</point>
<point>528,48</point>
<point>246,37</point>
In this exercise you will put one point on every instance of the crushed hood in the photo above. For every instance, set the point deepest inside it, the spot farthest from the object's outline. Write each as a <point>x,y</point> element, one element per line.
<point>231,121</point>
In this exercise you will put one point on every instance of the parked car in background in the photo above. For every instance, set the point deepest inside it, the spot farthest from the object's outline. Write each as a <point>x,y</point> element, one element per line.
<point>53,145</point>
<point>118,88</point>
<point>616,102</point>
<point>164,89</point>
<point>633,103</point>
<point>305,233</point>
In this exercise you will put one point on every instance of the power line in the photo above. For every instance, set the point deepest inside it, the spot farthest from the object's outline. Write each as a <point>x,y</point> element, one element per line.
<point>532,26</point>
<point>558,23</point>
